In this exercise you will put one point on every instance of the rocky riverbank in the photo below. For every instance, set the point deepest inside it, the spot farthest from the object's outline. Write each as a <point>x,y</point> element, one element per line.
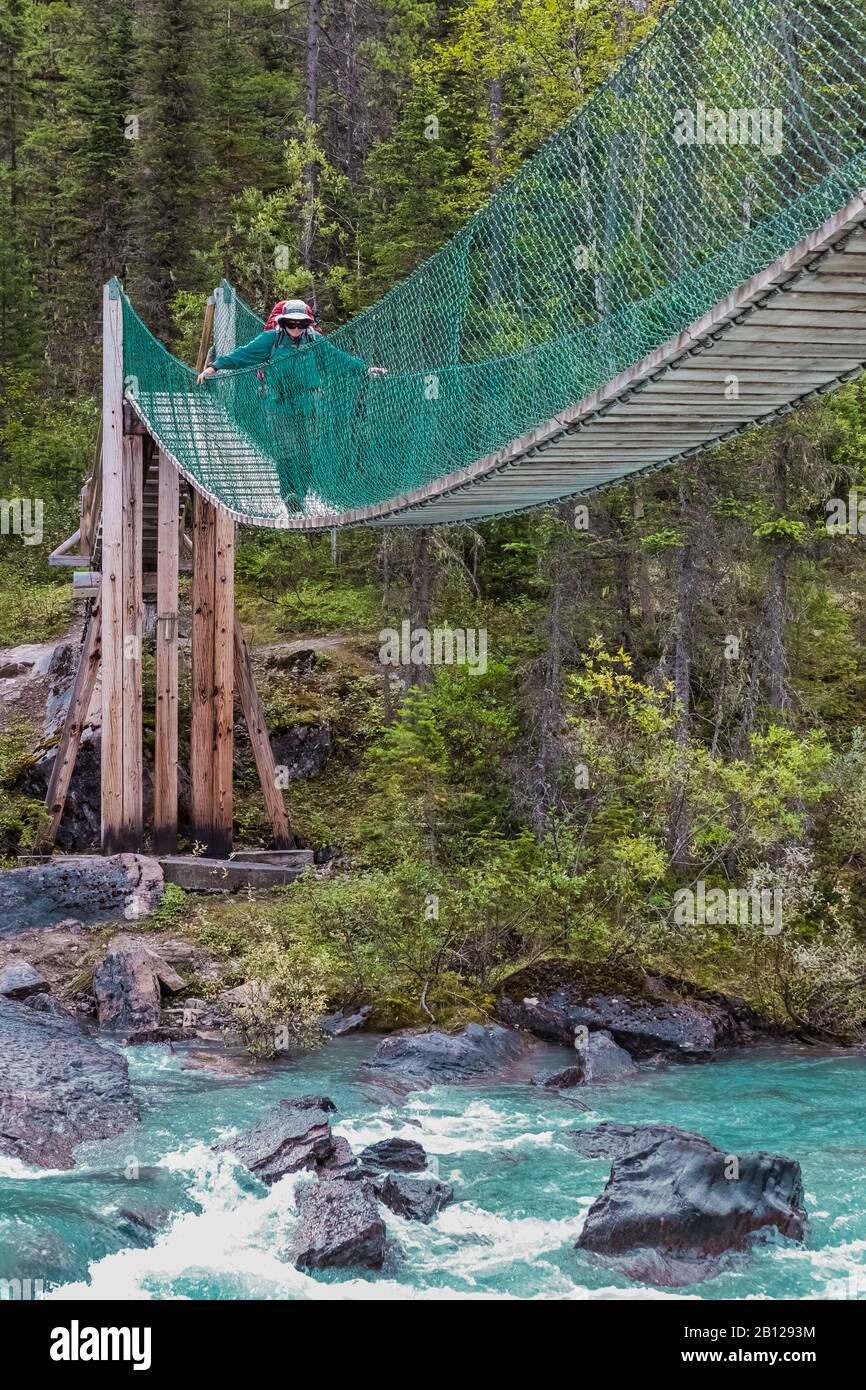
<point>83,980</point>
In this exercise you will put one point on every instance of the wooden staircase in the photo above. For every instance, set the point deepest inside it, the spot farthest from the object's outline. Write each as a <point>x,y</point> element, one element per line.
<point>150,528</point>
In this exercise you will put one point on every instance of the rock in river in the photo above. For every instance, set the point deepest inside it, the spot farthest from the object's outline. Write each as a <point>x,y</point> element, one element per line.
<point>294,1134</point>
<point>598,1061</point>
<point>415,1199</point>
<point>611,1139</point>
<point>57,1087</point>
<point>430,1059</point>
<point>340,1225</point>
<point>400,1155</point>
<point>128,985</point>
<point>677,1029</point>
<point>671,1211</point>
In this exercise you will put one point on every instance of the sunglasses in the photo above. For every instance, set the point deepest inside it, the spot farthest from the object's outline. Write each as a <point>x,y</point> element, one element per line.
<point>293,323</point>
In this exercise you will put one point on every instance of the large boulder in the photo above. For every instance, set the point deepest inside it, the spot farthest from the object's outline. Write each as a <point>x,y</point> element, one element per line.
<point>88,888</point>
<point>677,1029</point>
<point>673,1210</point>
<point>415,1199</point>
<point>598,1061</point>
<point>429,1059</point>
<point>393,1155</point>
<point>19,980</point>
<point>293,1135</point>
<point>610,1139</point>
<point>340,1226</point>
<point>57,1087</point>
<point>128,985</point>
<point>302,750</point>
<point>79,828</point>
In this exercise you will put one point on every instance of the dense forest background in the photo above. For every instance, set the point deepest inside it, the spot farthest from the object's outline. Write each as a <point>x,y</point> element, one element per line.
<point>674,694</point>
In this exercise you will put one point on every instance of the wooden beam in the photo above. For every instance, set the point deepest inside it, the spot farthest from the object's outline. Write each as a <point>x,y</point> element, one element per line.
<point>112,571</point>
<point>223,694</point>
<point>131,752</point>
<point>212,729</point>
<point>165,760</point>
<point>76,715</point>
<point>254,717</point>
<point>201,722</point>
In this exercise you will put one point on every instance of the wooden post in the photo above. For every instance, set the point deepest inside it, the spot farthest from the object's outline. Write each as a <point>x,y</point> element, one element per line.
<point>133,776</point>
<point>211,735</point>
<point>112,570</point>
<point>223,703</point>
<point>200,739</point>
<point>76,714</point>
<point>254,717</point>
<point>122,476</point>
<point>165,761</point>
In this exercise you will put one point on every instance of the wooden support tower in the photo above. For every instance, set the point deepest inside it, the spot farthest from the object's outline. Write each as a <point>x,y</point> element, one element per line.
<point>134,476</point>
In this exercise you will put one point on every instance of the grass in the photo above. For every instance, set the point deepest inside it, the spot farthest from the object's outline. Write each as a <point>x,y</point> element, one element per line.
<point>32,612</point>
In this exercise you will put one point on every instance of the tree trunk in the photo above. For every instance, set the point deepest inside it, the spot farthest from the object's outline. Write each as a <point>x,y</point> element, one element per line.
<point>422,594</point>
<point>538,788</point>
<point>770,659</point>
<point>353,145</point>
<point>494,98</point>
<point>679,819</point>
<point>311,116</point>
<point>645,592</point>
<point>777,655</point>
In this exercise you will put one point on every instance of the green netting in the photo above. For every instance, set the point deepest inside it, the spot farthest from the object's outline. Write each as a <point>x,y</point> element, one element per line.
<point>615,236</point>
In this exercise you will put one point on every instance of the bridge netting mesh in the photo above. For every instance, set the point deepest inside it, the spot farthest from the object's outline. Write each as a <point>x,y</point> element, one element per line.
<point>737,128</point>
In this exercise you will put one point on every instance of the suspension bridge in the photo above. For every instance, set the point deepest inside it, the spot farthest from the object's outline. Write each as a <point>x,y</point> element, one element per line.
<point>681,261</point>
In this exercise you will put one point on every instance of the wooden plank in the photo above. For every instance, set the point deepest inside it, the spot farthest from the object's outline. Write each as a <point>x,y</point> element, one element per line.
<point>788,316</point>
<point>254,717</point>
<point>165,761</point>
<point>131,752</point>
<point>827,286</point>
<point>771,376</point>
<point>801,353</point>
<point>223,699</point>
<point>845,263</point>
<point>210,875</point>
<point>76,715</point>
<point>201,725</point>
<point>112,572</point>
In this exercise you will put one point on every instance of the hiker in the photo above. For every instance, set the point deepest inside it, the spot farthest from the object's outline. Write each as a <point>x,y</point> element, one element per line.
<point>294,363</point>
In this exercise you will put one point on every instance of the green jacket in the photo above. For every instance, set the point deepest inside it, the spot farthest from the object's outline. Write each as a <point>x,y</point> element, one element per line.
<point>294,373</point>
